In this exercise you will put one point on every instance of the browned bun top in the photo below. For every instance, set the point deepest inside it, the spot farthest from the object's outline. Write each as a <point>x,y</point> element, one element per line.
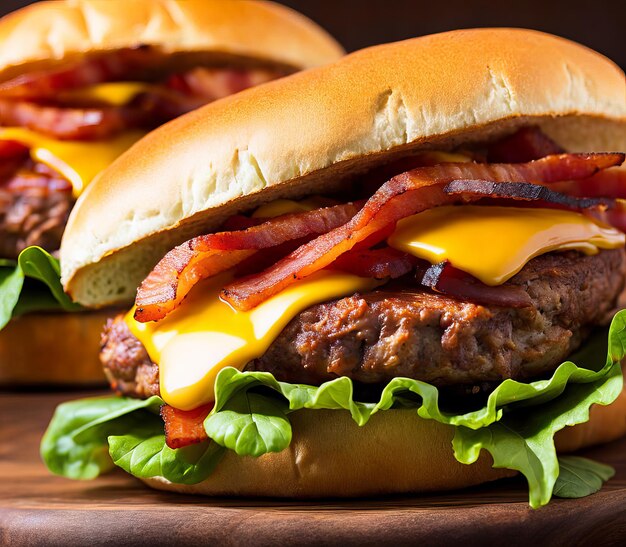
<point>308,132</point>
<point>46,34</point>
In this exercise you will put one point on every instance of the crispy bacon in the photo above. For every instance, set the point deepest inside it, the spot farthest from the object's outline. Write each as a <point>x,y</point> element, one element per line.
<point>184,427</point>
<point>404,195</point>
<point>526,144</point>
<point>148,110</point>
<point>445,278</point>
<point>89,121</point>
<point>468,190</point>
<point>214,83</point>
<point>384,263</point>
<point>155,107</point>
<point>606,210</point>
<point>259,261</point>
<point>70,123</point>
<point>610,183</point>
<point>204,256</point>
<point>112,66</point>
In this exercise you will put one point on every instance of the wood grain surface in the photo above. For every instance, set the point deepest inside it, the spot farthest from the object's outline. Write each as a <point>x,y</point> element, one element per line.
<point>37,508</point>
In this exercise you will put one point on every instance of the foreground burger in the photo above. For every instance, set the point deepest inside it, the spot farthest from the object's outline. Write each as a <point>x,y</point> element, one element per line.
<point>414,240</point>
<point>80,81</point>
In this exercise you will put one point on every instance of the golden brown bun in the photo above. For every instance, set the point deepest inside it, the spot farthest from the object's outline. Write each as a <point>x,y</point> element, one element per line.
<point>46,34</point>
<point>52,349</point>
<point>330,456</point>
<point>395,453</point>
<point>306,133</point>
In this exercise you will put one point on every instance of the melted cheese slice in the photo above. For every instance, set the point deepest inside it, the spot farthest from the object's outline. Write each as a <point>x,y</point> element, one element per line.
<point>494,243</point>
<point>113,93</point>
<point>204,335</point>
<point>78,161</point>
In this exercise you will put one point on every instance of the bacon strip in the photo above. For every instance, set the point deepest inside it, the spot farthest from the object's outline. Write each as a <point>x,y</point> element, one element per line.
<point>469,189</point>
<point>527,144</point>
<point>404,195</point>
<point>214,83</point>
<point>149,109</point>
<point>605,210</point>
<point>108,67</point>
<point>70,123</point>
<point>445,278</point>
<point>204,256</point>
<point>610,183</point>
<point>384,263</point>
<point>184,427</point>
<point>615,216</point>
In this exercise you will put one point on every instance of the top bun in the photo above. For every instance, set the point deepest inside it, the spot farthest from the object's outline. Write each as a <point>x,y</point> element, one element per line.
<point>47,34</point>
<point>308,132</point>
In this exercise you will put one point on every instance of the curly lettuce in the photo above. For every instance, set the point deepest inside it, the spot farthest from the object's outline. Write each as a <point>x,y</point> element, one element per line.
<point>516,424</point>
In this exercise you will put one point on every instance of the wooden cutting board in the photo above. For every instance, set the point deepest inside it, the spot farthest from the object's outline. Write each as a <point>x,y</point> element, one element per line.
<point>37,508</point>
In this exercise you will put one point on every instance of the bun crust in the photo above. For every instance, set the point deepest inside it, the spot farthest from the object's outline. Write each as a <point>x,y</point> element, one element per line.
<point>46,34</point>
<point>52,349</point>
<point>395,453</point>
<point>309,132</point>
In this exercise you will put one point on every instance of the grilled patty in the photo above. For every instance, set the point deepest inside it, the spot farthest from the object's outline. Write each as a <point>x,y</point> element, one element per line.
<point>405,331</point>
<point>33,211</point>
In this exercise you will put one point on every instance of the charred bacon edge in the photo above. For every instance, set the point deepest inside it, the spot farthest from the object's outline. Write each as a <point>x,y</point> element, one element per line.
<point>446,279</point>
<point>404,195</point>
<point>524,191</point>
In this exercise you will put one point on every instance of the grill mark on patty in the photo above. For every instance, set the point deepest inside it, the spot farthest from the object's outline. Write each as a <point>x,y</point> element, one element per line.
<point>405,331</point>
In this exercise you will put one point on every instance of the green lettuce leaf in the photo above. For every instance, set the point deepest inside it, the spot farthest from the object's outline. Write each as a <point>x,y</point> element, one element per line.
<point>88,437</point>
<point>524,439</point>
<point>580,477</point>
<point>75,443</point>
<point>250,424</point>
<point>339,394</point>
<point>32,283</point>
<point>144,454</point>
<point>11,283</point>
<point>516,424</point>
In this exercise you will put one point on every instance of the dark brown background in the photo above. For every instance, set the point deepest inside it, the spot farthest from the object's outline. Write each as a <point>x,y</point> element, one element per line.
<point>599,24</point>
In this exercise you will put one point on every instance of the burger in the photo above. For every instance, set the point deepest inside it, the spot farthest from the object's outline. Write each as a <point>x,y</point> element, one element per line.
<point>363,278</point>
<point>80,81</point>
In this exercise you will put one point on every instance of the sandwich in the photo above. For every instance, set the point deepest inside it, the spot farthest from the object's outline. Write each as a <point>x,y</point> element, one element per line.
<point>80,82</point>
<point>396,273</point>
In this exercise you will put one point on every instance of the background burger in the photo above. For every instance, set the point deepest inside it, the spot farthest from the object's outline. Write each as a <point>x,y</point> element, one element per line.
<point>80,81</point>
<point>414,240</point>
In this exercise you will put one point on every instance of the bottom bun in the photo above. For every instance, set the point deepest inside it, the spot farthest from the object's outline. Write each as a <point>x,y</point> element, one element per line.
<point>52,349</point>
<point>396,453</point>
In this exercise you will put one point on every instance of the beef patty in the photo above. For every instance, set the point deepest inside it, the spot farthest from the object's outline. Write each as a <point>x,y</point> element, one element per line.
<point>35,204</point>
<point>409,332</point>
